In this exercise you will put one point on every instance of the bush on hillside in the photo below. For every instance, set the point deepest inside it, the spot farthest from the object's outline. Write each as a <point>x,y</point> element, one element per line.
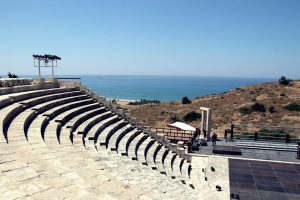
<point>272,109</point>
<point>245,110</point>
<point>10,75</point>
<point>114,101</point>
<point>192,116</point>
<point>283,80</point>
<point>175,118</point>
<point>292,107</point>
<point>258,107</point>
<point>143,101</point>
<point>185,100</point>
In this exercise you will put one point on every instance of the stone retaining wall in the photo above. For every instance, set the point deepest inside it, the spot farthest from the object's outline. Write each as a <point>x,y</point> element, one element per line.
<point>10,82</point>
<point>25,88</point>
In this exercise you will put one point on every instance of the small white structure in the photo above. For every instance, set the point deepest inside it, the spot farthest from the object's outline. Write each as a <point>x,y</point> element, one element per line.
<point>206,120</point>
<point>182,126</point>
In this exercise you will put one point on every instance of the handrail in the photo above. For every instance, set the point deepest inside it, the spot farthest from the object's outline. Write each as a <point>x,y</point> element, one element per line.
<point>173,134</point>
<point>68,78</point>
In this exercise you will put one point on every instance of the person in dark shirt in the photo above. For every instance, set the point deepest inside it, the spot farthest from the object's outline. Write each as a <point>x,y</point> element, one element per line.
<point>204,133</point>
<point>214,139</point>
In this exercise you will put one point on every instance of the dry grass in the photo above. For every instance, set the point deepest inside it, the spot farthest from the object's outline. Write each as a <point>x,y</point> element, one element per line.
<point>226,106</point>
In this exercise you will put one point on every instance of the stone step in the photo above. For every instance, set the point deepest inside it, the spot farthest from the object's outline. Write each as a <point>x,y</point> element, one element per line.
<point>105,136</point>
<point>112,141</point>
<point>133,143</point>
<point>59,110</point>
<point>158,159</point>
<point>63,118</point>
<point>95,131</point>
<point>102,132</point>
<point>10,112</point>
<point>167,163</point>
<point>150,155</point>
<point>140,151</point>
<point>51,105</point>
<point>83,116</point>
<point>122,140</point>
<point>89,124</point>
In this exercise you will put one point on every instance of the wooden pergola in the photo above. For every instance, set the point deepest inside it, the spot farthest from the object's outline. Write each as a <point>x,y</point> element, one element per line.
<point>45,61</point>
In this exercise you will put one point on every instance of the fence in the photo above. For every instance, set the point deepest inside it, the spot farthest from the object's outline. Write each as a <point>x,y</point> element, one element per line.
<point>263,132</point>
<point>173,134</point>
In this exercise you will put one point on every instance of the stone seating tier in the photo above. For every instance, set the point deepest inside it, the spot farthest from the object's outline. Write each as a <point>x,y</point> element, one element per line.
<point>66,144</point>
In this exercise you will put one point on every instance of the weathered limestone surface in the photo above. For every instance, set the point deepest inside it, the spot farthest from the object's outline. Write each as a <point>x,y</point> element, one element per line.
<point>202,169</point>
<point>33,168</point>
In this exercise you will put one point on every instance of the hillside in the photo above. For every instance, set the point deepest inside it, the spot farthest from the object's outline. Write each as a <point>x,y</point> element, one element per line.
<point>230,107</point>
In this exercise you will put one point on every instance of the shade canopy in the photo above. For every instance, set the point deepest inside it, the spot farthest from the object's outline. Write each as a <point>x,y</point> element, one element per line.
<point>182,126</point>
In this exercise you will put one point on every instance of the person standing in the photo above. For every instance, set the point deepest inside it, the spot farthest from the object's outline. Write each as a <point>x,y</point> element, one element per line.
<point>204,133</point>
<point>214,139</point>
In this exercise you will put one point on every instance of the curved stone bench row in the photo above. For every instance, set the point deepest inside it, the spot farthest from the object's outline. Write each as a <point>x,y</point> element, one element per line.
<point>66,134</point>
<point>81,119</point>
<point>93,126</point>
<point>101,127</point>
<point>8,113</point>
<point>9,99</point>
<point>99,134</point>
<point>67,116</point>
<point>42,108</point>
<point>113,142</point>
<point>61,109</point>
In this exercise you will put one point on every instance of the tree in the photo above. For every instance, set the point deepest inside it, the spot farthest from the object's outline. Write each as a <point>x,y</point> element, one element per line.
<point>192,116</point>
<point>283,80</point>
<point>185,100</point>
<point>10,75</point>
<point>258,107</point>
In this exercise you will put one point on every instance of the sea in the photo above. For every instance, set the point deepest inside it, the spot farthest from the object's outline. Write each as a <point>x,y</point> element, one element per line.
<point>162,88</point>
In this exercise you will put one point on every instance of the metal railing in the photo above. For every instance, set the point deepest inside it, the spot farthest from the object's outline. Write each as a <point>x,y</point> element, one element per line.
<point>265,136</point>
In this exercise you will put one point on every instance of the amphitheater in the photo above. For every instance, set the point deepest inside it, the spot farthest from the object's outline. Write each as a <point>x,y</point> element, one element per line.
<point>59,140</point>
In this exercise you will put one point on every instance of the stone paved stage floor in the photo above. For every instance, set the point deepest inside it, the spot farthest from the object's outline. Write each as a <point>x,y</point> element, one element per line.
<point>251,179</point>
<point>286,156</point>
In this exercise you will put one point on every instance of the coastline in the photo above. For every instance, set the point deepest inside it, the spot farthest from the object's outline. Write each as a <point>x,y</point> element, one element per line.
<point>122,102</point>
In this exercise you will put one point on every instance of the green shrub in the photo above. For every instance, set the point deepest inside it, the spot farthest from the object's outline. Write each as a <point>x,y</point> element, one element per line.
<point>176,118</point>
<point>292,107</point>
<point>143,101</point>
<point>192,116</point>
<point>245,110</point>
<point>283,80</point>
<point>272,109</point>
<point>185,100</point>
<point>114,101</point>
<point>10,75</point>
<point>258,107</point>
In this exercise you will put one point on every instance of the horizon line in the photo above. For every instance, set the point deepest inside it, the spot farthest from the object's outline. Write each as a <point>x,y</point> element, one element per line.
<point>163,75</point>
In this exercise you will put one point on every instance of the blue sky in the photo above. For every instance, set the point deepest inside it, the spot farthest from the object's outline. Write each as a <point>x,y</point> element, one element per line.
<point>230,38</point>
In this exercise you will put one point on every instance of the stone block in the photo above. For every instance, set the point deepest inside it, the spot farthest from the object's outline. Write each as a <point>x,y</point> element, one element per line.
<point>39,81</point>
